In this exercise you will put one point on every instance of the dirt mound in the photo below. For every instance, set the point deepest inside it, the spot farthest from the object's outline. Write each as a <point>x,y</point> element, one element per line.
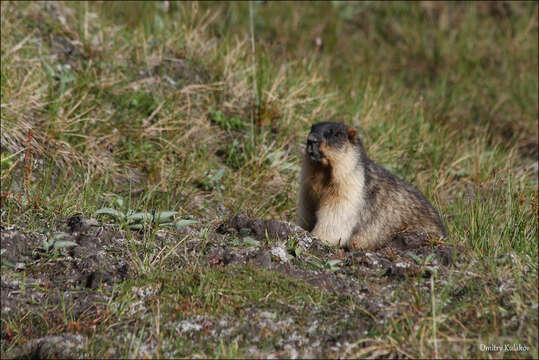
<point>82,276</point>
<point>332,269</point>
<point>260,229</point>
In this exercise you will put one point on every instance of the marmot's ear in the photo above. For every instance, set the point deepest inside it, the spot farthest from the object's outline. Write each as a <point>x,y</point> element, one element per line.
<point>352,135</point>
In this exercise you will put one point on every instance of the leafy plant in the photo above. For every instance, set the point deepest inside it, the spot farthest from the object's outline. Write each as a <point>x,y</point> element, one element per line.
<point>62,73</point>
<point>211,182</point>
<point>292,246</point>
<point>424,263</point>
<point>139,220</point>
<point>56,242</point>
<point>249,241</point>
<point>227,122</point>
<point>330,265</point>
<point>238,153</point>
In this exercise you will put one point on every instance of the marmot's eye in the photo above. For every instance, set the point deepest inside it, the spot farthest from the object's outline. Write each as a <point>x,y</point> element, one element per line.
<point>332,133</point>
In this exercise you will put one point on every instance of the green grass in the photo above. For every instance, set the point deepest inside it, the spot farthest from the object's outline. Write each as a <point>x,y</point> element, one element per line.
<point>171,110</point>
<point>219,292</point>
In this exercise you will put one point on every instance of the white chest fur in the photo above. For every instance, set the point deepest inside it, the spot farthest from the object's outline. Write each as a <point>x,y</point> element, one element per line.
<point>341,203</point>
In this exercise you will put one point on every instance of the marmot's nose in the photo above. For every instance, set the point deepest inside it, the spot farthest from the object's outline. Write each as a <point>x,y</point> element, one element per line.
<point>313,139</point>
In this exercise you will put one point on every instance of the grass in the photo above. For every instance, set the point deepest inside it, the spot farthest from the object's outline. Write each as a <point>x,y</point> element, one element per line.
<point>170,109</point>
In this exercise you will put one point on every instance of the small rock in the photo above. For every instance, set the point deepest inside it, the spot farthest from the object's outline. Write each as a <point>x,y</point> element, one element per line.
<point>395,272</point>
<point>91,222</point>
<point>267,315</point>
<point>220,256</point>
<point>161,234</point>
<point>280,253</point>
<point>263,259</point>
<point>75,223</point>
<point>187,325</point>
<point>64,346</point>
<point>146,291</point>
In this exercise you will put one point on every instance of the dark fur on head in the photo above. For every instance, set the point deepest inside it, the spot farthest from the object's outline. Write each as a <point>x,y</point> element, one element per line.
<point>332,134</point>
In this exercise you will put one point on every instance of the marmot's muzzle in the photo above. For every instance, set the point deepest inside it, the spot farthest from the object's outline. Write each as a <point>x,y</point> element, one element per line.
<point>313,147</point>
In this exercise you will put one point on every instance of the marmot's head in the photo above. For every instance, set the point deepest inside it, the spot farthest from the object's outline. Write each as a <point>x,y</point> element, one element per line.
<point>328,142</point>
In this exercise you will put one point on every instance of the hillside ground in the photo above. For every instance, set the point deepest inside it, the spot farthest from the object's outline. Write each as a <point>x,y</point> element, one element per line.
<point>145,144</point>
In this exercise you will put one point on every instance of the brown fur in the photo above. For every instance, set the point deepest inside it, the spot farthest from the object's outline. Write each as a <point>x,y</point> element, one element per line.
<point>348,200</point>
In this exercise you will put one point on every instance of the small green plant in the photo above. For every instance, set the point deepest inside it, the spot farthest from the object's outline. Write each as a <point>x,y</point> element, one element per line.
<point>226,122</point>
<point>238,153</point>
<point>141,219</point>
<point>212,182</point>
<point>245,239</point>
<point>4,261</point>
<point>7,161</point>
<point>61,73</point>
<point>292,246</point>
<point>330,265</point>
<point>249,241</point>
<point>55,242</point>
<point>424,263</point>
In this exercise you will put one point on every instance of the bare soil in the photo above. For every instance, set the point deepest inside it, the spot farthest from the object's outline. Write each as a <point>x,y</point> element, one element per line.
<point>82,279</point>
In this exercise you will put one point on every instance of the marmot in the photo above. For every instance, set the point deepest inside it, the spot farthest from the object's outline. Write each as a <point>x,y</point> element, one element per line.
<point>348,200</point>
